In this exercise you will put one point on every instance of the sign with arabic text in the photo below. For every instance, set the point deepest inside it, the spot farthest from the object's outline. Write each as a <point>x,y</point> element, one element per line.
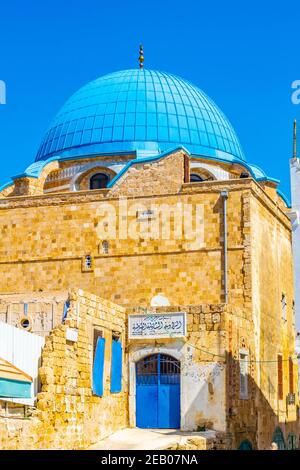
<point>162,325</point>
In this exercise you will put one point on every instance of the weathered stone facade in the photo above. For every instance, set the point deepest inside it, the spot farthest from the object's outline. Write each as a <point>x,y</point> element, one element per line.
<point>67,414</point>
<point>45,239</point>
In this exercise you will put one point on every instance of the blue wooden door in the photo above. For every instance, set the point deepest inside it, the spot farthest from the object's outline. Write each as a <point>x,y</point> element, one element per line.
<point>158,392</point>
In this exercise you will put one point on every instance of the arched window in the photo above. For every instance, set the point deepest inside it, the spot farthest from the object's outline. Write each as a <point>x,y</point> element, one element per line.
<point>99,180</point>
<point>245,445</point>
<point>105,247</point>
<point>194,178</point>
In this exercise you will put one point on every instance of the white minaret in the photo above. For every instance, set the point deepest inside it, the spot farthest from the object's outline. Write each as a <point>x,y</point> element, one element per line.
<point>295,219</point>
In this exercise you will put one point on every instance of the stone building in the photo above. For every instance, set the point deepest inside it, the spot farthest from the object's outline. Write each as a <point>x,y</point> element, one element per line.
<point>294,216</point>
<point>158,264</point>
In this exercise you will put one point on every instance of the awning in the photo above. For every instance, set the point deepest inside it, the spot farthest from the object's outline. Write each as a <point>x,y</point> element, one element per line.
<point>14,383</point>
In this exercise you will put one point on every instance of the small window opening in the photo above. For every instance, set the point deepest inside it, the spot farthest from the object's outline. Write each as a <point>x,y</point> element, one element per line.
<point>25,323</point>
<point>116,335</point>
<point>283,307</point>
<point>293,312</point>
<point>96,334</point>
<point>105,247</point>
<point>243,374</point>
<point>99,181</point>
<point>88,262</point>
<point>291,375</point>
<point>194,178</point>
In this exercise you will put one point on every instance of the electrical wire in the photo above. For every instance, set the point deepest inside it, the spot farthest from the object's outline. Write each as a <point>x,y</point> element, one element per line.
<point>206,351</point>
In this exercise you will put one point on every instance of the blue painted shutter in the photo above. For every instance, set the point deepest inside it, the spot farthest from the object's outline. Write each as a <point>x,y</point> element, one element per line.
<point>98,367</point>
<point>116,367</point>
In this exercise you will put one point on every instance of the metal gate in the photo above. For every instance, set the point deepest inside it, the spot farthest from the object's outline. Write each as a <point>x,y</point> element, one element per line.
<point>158,392</point>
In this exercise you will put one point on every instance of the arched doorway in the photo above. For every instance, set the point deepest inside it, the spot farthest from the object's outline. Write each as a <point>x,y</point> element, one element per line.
<point>158,392</point>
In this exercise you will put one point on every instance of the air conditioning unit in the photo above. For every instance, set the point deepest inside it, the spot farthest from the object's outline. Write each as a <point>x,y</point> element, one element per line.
<point>291,399</point>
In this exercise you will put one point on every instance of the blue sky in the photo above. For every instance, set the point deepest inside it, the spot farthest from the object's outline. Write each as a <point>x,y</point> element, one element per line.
<point>244,55</point>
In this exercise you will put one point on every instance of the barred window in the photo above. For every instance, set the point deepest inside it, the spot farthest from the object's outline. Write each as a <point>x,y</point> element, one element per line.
<point>244,355</point>
<point>280,376</point>
<point>88,262</point>
<point>105,247</point>
<point>283,307</point>
<point>291,375</point>
<point>293,312</point>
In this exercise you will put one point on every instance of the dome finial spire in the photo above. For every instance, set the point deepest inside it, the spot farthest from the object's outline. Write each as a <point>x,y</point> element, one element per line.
<point>141,56</point>
<point>295,141</point>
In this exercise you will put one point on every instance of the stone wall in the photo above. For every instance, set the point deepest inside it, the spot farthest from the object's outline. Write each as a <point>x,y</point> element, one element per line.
<point>43,244</point>
<point>68,415</point>
<point>275,328</point>
<point>210,385</point>
<point>43,310</point>
<point>165,175</point>
<point>208,440</point>
<point>45,238</point>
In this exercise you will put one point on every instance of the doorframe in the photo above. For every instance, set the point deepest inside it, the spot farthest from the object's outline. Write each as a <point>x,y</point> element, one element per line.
<point>134,357</point>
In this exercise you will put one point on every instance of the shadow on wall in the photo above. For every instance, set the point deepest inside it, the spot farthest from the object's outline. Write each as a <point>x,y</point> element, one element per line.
<point>251,422</point>
<point>256,416</point>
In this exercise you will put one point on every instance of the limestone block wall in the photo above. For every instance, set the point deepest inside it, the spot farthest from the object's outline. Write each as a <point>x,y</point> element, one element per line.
<point>275,324</point>
<point>44,239</point>
<point>68,415</point>
<point>211,368</point>
<point>7,191</point>
<point>158,177</point>
<point>241,414</point>
<point>208,440</point>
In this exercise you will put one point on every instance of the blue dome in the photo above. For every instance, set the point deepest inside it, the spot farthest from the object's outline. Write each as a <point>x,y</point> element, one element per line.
<point>139,110</point>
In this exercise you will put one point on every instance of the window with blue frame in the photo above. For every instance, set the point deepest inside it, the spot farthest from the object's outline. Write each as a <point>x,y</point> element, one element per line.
<point>116,366</point>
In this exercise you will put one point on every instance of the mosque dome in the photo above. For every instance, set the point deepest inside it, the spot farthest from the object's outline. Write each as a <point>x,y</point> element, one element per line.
<point>141,111</point>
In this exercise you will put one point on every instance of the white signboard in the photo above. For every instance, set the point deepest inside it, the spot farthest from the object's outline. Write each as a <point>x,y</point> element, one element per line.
<point>72,335</point>
<point>166,325</point>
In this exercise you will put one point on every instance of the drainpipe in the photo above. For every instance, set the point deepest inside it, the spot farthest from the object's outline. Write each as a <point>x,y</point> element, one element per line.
<point>224,195</point>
